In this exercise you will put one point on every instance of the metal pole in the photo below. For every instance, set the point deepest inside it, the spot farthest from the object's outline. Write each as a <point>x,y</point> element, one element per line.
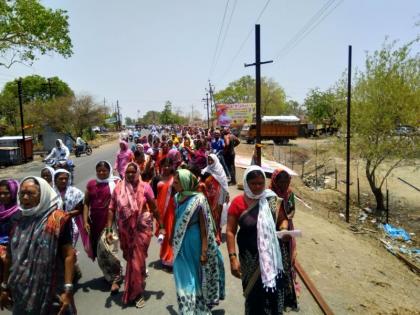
<point>387,205</point>
<point>208,112</point>
<point>22,125</point>
<point>257,65</point>
<point>258,92</point>
<point>348,139</point>
<point>316,164</point>
<point>49,87</point>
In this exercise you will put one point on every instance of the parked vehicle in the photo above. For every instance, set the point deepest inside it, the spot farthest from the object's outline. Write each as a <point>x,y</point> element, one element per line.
<point>87,150</point>
<point>280,129</point>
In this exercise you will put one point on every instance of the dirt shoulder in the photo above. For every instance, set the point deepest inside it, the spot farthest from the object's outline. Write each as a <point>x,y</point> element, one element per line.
<point>354,272</point>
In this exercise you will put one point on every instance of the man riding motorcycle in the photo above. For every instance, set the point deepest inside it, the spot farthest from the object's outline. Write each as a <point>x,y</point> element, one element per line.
<point>59,152</point>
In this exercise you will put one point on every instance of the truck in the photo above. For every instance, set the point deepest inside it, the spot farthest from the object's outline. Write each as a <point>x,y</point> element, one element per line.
<point>280,129</point>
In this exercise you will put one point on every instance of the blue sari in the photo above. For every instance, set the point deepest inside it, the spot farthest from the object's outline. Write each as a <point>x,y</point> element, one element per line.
<point>198,287</point>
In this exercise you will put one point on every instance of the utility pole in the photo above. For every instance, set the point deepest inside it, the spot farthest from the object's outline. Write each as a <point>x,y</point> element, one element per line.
<point>257,65</point>
<point>49,87</point>
<point>207,106</point>
<point>20,94</point>
<point>118,116</point>
<point>192,113</point>
<point>212,104</point>
<point>348,139</point>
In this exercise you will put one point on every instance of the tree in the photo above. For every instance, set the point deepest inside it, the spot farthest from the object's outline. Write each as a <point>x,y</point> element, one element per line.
<point>166,116</point>
<point>35,89</point>
<point>323,107</point>
<point>151,117</point>
<point>273,97</point>
<point>386,95</point>
<point>27,28</point>
<point>130,121</point>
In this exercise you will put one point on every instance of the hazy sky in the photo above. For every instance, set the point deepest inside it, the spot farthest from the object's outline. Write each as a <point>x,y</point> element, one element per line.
<point>146,52</point>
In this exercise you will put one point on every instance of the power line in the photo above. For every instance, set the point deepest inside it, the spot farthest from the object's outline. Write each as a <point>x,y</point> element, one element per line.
<point>245,40</point>
<point>218,38</point>
<point>313,22</point>
<point>224,37</point>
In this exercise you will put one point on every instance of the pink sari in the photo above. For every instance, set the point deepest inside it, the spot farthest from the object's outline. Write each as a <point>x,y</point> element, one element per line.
<point>135,231</point>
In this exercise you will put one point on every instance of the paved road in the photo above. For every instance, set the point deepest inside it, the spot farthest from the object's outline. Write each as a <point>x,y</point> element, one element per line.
<point>92,296</point>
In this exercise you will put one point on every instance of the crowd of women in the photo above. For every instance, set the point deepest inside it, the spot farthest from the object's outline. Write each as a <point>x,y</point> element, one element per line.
<point>174,187</point>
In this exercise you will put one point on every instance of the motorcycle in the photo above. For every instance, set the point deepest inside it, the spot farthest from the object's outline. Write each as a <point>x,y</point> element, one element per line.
<point>65,164</point>
<point>86,150</point>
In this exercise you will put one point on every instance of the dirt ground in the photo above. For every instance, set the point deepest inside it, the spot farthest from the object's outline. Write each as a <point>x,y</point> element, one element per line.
<point>351,269</point>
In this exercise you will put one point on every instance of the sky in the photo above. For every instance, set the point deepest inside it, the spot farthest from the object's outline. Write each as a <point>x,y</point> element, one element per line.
<point>144,53</point>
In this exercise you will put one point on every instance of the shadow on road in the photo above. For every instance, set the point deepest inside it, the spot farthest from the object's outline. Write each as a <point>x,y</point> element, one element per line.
<point>97,284</point>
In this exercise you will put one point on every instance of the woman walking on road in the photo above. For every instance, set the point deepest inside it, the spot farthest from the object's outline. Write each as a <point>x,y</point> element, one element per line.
<point>8,207</point>
<point>280,184</point>
<point>260,264</point>
<point>41,233</point>
<point>197,270</point>
<point>72,200</point>
<point>130,204</point>
<point>216,190</point>
<point>47,173</point>
<point>95,217</point>
<point>124,156</point>
<point>166,207</point>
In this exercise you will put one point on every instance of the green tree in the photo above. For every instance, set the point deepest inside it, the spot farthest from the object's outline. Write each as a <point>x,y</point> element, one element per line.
<point>386,95</point>
<point>130,121</point>
<point>151,117</point>
<point>273,97</point>
<point>166,117</point>
<point>27,28</point>
<point>323,107</point>
<point>35,89</point>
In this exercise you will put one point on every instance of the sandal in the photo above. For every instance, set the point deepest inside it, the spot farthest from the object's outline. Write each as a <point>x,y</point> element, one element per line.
<point>140,303</point>
<point>115,288</point>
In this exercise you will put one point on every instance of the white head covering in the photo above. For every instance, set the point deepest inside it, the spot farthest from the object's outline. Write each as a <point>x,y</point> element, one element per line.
<point>73,196</point>
<point>49,198</point>
<point>61,143</point>
<point>268,245</point>
<point>111,178</point>
<point>51,170</point>
<point>217,171</point>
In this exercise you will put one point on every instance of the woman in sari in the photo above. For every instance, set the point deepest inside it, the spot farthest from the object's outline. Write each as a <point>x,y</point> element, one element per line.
<point>166,207</point>
<point>280,184</point>
<point>72,200</point>
<point>95,217</point>
<point>216,190</point>
<point>130,204</point>
<point>47,173</point>
<point>40,235</point>
<point>197,270</point>
<point>260,264</point>
<point>198,157</point>
<point>124,156</point>
<point>8,207</point>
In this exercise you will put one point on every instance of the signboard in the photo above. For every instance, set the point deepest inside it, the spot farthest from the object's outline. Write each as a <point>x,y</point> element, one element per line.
<point>234,115</point>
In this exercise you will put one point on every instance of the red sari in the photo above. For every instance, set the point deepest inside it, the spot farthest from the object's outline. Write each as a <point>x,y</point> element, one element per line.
<point>166,207</point>
<point>213,191</point>
<point>135,231</point>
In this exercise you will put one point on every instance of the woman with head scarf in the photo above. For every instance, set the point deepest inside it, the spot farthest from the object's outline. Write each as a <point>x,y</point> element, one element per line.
<point>280,184</point>
<point>175,157</point>
<point>95,217</point>
<point>8,207</point>
<point>216,190</point>
<point>130,204</point>
<point>198,157</point>
<point>197,269</point>
<point>47,173</point>
<point>166,206</point>
<point>260,264</point>
<point>124,156</point>
<point>40,235</point>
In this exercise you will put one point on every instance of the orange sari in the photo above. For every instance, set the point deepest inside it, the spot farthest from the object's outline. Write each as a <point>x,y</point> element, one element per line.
<point>166,207</point>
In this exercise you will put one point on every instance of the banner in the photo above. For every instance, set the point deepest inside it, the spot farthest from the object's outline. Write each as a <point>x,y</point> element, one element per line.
<point>235,115</point>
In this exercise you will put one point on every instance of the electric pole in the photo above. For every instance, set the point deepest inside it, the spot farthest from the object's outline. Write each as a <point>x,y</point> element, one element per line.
<point>118,116</point>
<point>348,139</point>
<point>212,104</point>
<point>22,125</point>
<point>49,87</point>
<point>207,106</point>
<point>257,65</point>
